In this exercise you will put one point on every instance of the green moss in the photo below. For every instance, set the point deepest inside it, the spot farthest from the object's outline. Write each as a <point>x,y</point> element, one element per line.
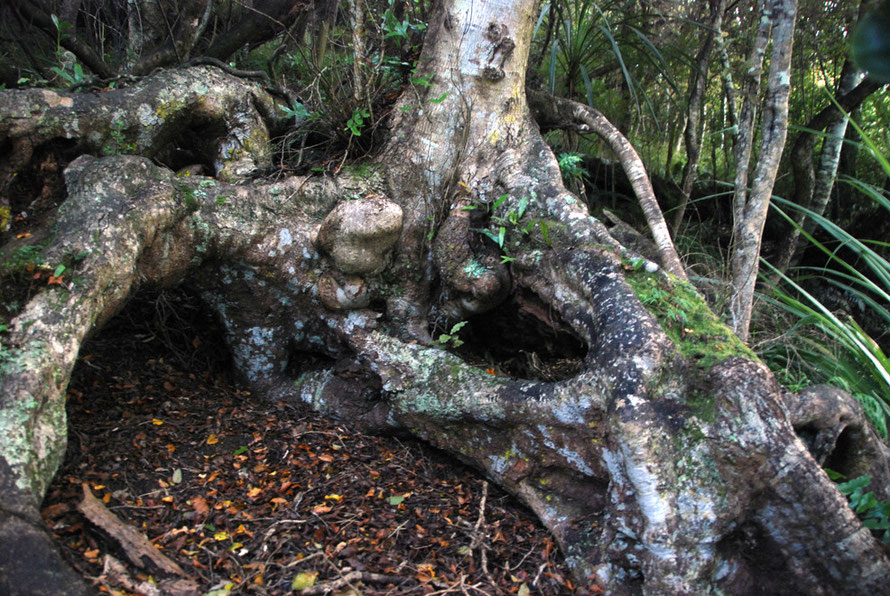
<point>362,171</point>
<point>169,107</point>
<point>687,320</point>
<point>185,194</point>
<point>697,333</point>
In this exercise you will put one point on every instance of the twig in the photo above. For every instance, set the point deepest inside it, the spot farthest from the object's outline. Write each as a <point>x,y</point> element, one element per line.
<point>477,542</point>
<point>348,579</point>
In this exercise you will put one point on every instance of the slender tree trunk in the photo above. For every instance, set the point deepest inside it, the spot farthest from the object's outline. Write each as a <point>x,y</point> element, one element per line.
<point>812,188</point>
<point>698,84</point>
<point>356,9</point>
<point>750,206</point>
<point>729,93</point>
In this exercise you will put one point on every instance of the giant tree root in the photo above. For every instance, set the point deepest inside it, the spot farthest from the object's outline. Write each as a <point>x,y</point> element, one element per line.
<point>664,465</point>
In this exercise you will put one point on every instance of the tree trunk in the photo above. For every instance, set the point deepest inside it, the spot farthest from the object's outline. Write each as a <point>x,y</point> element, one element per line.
<point>698,82</point>
<point>812,188</point>
<point>751,204</point>
<point>666,461</point>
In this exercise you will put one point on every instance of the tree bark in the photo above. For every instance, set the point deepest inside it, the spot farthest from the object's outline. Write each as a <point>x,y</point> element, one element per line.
<point>667,464</point>
<point>849,96</point>
<point>750,207</point>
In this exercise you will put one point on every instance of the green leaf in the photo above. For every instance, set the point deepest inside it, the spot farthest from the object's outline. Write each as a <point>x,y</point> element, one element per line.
<point>457,327</point>
<point>835,476</point>
<point>304,580</point>
<point>489,234</point>
<point>855,484</point>
<point>439,99</point>
<point>523,205</point>
<point>59,271</point>
<point>395,501</point>
<point>545,232</point>
<point>240,450</point>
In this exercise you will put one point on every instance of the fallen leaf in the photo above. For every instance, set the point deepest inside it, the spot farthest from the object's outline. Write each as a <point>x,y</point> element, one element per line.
<point>221,591</point>
<point>220,536</point>
<point>319,509</point>
<point>212,440</point>
<point>157,422</point>
<point>199,504</point>
<point>304,580</point>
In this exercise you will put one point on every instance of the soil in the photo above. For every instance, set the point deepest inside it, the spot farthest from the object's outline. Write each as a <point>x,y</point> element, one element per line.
<point>253,497</point>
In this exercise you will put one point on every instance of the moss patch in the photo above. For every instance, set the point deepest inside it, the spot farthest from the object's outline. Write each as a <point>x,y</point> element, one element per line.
<point>698,334</point>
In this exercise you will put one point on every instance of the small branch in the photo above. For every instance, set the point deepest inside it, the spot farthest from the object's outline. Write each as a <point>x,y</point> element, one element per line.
<point>477,543</point>
<point>136,546</point>
<point>348,579</point>
<point>558,109</point>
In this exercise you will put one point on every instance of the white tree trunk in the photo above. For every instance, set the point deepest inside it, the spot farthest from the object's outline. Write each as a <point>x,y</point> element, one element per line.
<point>750,207</point>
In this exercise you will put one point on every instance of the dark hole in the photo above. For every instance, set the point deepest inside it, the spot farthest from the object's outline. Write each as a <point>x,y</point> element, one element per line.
<point>523,338</point>
<point>40,187</point>
<point>843,457</point>
<point>807,434</point>
<point>761,565</point>
<point>194,145</point>
<point>171,323</point>
<point>301,361</point>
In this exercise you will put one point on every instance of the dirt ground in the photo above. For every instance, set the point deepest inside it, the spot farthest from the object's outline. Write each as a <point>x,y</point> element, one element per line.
<point>252,497</point>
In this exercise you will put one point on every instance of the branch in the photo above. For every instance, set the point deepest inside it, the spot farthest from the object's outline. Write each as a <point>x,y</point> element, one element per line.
<point>556,109</point>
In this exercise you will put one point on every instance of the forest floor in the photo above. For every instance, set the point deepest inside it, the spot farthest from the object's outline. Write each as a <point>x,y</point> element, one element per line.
<point>252,497</point>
